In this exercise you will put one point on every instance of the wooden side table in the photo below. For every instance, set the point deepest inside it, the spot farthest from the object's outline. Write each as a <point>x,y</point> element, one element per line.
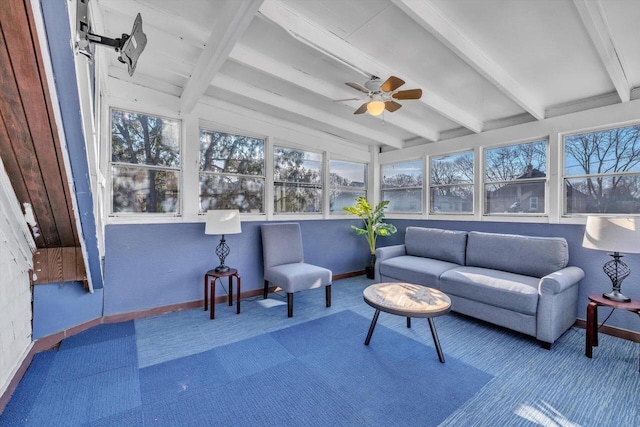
<point>213,274</point>
<point>595,301</point>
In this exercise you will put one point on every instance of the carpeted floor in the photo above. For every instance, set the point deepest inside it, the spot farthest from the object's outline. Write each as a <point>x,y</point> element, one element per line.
<point>261,368</point>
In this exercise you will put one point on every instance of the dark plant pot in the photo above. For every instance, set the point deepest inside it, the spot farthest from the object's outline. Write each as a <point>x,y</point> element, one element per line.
<point>370,270</point>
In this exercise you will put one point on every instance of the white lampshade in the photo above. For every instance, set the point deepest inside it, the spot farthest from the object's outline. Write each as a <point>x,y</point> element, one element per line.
<point>614,234</point>
<point>223,222</point>
<point>375,108</point>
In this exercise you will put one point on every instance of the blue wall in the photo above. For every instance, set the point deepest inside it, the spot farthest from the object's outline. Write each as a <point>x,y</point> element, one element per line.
<point>60,306</point>
<point>154,265</point>
<point>161,264</point>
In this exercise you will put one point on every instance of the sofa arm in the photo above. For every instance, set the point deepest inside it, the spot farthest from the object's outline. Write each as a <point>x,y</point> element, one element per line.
<point>386,253</point>
<point>557,303</point>
<point>560,280</point>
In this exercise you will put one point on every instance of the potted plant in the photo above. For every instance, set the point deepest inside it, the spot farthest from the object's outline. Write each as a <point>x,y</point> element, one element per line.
<point>373,226</point>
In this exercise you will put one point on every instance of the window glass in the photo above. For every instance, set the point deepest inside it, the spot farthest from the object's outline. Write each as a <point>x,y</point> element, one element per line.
<point>402,186</point>
<point>348,182</point>
<point>451,183</point>
<point>297,181</point>
<point>232,172</point>
<point>602,172</point>
<point>145,163</point>
<point>513,176</point>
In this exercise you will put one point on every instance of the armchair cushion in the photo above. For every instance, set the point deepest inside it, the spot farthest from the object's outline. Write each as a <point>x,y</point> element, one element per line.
<point>298,276</point>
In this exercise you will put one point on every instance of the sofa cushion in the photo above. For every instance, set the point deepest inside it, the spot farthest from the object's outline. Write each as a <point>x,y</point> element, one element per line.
<point>412,269</point>
<point>445,245</point>
<point>497,288</point>
<point>527,255</point>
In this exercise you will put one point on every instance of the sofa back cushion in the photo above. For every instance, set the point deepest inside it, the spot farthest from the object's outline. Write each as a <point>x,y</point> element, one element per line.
<point>445,245</point>
<point>528,255</point>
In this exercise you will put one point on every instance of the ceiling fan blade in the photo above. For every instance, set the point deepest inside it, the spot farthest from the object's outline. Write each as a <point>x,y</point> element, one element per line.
<point>391,84</point>
<point>391,106</point>
<point>347,99</point>
<point>357,86</point>
<point>362,109</point>
<point>408,94</point>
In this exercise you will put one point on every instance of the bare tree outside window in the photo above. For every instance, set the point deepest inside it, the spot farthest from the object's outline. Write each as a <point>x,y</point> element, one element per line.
<point>602,172</point>
<point>145,163</point>
<point>451,183</point>
<point>297,181</point>
<point>513,175</point>
<point>402,186</point>
<point>232,172</point>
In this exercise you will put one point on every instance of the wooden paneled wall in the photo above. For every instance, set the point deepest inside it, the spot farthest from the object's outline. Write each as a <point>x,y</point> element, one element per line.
<point>29,139</point>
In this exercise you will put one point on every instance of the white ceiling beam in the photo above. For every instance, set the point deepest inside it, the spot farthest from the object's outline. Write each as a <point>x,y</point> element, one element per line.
<point>234,16</point>
<point>258,94</point>
<point>432,20</point>
<point>245,55</point>
<point>340,50</point>
<point>595,22</point>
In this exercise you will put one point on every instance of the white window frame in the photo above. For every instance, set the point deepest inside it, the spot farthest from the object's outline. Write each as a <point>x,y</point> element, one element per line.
<point>420,188</point>
<point>110,165</point>
<point>545,180</point>
<point>565,177</point>
<point>323,173</point>
<point>472,184</point>
<point>365,189</point>
<point>206,128</point>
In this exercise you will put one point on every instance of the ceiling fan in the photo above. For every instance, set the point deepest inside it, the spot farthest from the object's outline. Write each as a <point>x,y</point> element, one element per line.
<point>382,95</point>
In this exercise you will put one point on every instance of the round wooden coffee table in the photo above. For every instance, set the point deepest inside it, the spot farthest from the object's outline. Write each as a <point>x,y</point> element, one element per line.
<point>408,300</point>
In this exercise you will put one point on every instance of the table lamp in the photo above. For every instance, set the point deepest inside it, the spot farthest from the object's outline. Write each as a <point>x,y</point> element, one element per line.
<point>614,234</point>
<point>222,222</point>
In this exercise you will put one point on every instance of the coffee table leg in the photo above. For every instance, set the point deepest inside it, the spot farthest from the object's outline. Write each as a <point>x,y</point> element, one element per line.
<point>408,322</point>
<point>436,341</point>
<point>372,327</point>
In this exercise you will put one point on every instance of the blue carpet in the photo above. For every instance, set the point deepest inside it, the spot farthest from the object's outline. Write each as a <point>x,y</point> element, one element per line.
<point>182,369</point>
<point>317,373</point>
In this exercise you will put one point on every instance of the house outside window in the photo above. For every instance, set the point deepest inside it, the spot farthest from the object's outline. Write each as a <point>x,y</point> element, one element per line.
<point>297,176</point>
<point>145,164</point>
<point>451,183</point>
<point>513,175</point>
<point>402,186</point>
<point>602,172</point>
<point>232,172</point>
<point>347,181</point>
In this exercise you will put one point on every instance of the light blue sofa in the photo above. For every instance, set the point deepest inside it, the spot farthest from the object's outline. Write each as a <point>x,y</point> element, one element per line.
<point>519,282</point>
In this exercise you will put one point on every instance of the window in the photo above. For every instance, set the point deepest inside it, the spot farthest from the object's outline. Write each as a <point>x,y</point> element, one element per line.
<point>402,186</point>
<point>602,172</point>
<point>451,185</point>
<point>232,172</point>
<point>145,163</point>
<point>347,181</point>
<point>297,179</point>
<point>513,175</point>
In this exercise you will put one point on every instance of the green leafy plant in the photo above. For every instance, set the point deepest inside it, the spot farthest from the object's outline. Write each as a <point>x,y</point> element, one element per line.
<point>372,218</point>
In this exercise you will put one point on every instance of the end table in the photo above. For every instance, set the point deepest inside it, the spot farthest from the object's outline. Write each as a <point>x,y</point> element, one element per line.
<point>595,301</point>
<point>215,275</point>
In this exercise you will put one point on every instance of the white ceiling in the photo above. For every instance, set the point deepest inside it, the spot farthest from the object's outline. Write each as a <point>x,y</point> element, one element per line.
<point>482,64</point>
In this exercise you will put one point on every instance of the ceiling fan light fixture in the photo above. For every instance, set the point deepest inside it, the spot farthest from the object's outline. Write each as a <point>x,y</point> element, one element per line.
<point>375,108</point>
